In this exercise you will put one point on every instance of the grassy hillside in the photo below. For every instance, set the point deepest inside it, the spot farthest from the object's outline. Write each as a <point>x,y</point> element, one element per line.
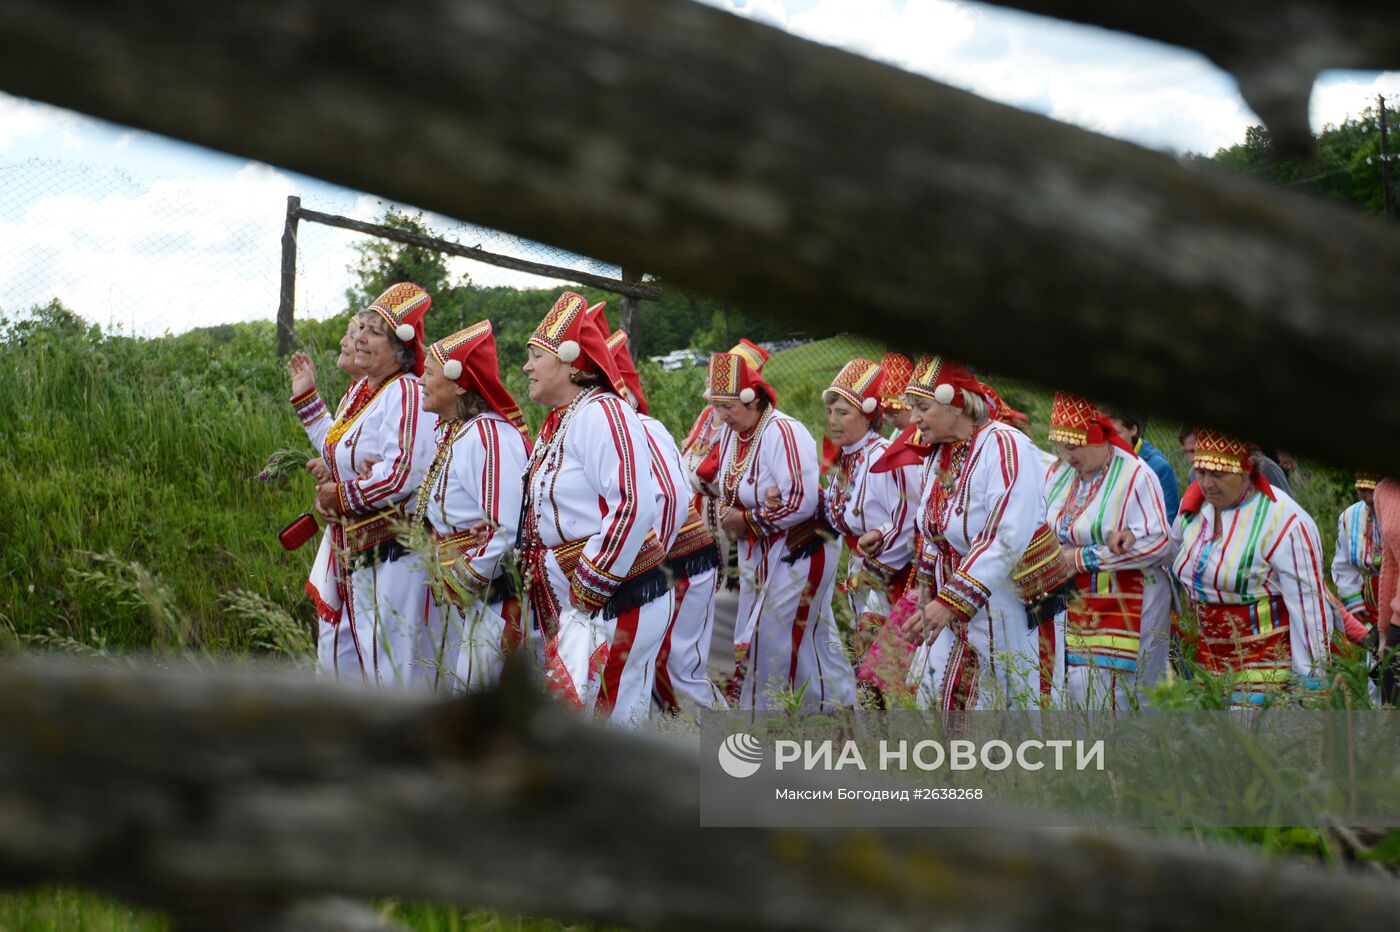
<point>149,450</point>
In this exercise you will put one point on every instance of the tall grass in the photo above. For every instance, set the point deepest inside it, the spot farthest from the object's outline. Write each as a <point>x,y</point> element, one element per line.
<point>147,450</point>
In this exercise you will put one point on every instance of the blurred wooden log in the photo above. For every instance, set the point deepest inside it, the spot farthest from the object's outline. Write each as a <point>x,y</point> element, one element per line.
<point>219,795</point>
<point>724,155</point>
<point>1274,48</point>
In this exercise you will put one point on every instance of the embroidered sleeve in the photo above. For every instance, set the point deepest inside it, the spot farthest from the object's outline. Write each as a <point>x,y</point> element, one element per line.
<point>788,462</point>
<point>1134,503</point>
<point>315,417</point>
<point>1345,574</point>
<point>484,474</point>
<point>402,442</point>
<point>1295,568</point>
<point>617,466</point>
<point>669,478</point>
<point>1015,505</point>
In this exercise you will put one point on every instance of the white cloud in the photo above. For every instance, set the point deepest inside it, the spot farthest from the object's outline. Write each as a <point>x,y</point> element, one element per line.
<point>171,254</point>
<point>26,120</point>
<point>1152,94</point>
<point>1342,94</point>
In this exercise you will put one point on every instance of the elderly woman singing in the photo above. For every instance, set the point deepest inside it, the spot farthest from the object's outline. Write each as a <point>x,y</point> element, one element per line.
<point>593,559</point>
<point>1106,507</point>
<point>376,451</point>
<point>762,477</point>
<point>470,498</point>
<point>985,506</point>
<point>1249,560</point>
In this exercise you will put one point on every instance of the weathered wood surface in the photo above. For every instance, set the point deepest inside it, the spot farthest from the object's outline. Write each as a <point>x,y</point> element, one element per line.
<point>223,796</point>
<point>631,288</point>
<point>719,153</point>
<point>1274,48</point>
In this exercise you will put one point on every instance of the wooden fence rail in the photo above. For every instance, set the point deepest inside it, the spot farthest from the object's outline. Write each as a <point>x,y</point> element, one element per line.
<point>787,176</point>
<point>236,798</point>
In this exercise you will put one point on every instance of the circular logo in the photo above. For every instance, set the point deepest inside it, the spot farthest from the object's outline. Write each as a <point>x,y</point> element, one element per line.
<point>741,755</point>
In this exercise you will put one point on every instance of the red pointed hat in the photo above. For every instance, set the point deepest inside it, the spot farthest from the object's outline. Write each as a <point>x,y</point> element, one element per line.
<point>858,383</point>
<point>403,306</point>
<point>898,370</point>
<point>570,334</point>
<point>622,358</point>
<point>1075,421</point>
<point>731,378</point>
<point>753,354</point>
<point>941,379</point>
<point>468,358</point>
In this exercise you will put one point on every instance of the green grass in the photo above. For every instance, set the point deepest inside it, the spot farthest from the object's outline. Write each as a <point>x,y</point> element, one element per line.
<point>68,909</point>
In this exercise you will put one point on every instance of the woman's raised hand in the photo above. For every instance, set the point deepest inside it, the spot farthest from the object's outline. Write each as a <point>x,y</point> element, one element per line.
<point>303,373</point>
<point>318,468</point>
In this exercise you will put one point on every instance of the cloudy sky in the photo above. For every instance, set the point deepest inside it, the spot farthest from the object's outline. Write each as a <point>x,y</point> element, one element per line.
<point>107,218</point>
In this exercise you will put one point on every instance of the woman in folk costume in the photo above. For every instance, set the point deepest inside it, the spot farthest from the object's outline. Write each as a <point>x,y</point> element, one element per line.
<point>377,451</point>
<point>316,418</point>
<point>872,511</point>
<point>1249,560</point>
<point>1356,563</point>
<point>1105,507</point>
<point>470,498</point>
<point>692,562</point>
<point>705,433</point>
<point>762,475</point>
<point>984,543</point>
<point>593,560</point>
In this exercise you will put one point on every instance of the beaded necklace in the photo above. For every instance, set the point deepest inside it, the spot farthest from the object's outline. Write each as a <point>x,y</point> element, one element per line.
<point>842,485</point>
<point>549,452</point>
<point>363,396</point>
<point>441,460</point>
<point>744,450</point>
<point>1081,495</point>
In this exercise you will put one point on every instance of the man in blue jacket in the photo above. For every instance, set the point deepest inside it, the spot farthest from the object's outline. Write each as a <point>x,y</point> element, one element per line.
<point>1131,426</point>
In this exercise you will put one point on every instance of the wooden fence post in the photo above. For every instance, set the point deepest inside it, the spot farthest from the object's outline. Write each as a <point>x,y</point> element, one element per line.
<point>286,308</point>
<point>630,306</point>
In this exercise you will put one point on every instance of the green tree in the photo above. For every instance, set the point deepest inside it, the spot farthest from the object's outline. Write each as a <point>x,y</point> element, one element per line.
<point>1346,169</point>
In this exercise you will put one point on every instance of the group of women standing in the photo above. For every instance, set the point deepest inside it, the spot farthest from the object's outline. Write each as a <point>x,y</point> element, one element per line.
<point>979,571</point>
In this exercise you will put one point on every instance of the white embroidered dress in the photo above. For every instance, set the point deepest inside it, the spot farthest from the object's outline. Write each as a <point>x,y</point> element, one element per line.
<point>389,437</point>
<point>475,480</point>
<point>593,503</point>
<point>785,613</point>
<point>682,674</point>
<point>980,512</point>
